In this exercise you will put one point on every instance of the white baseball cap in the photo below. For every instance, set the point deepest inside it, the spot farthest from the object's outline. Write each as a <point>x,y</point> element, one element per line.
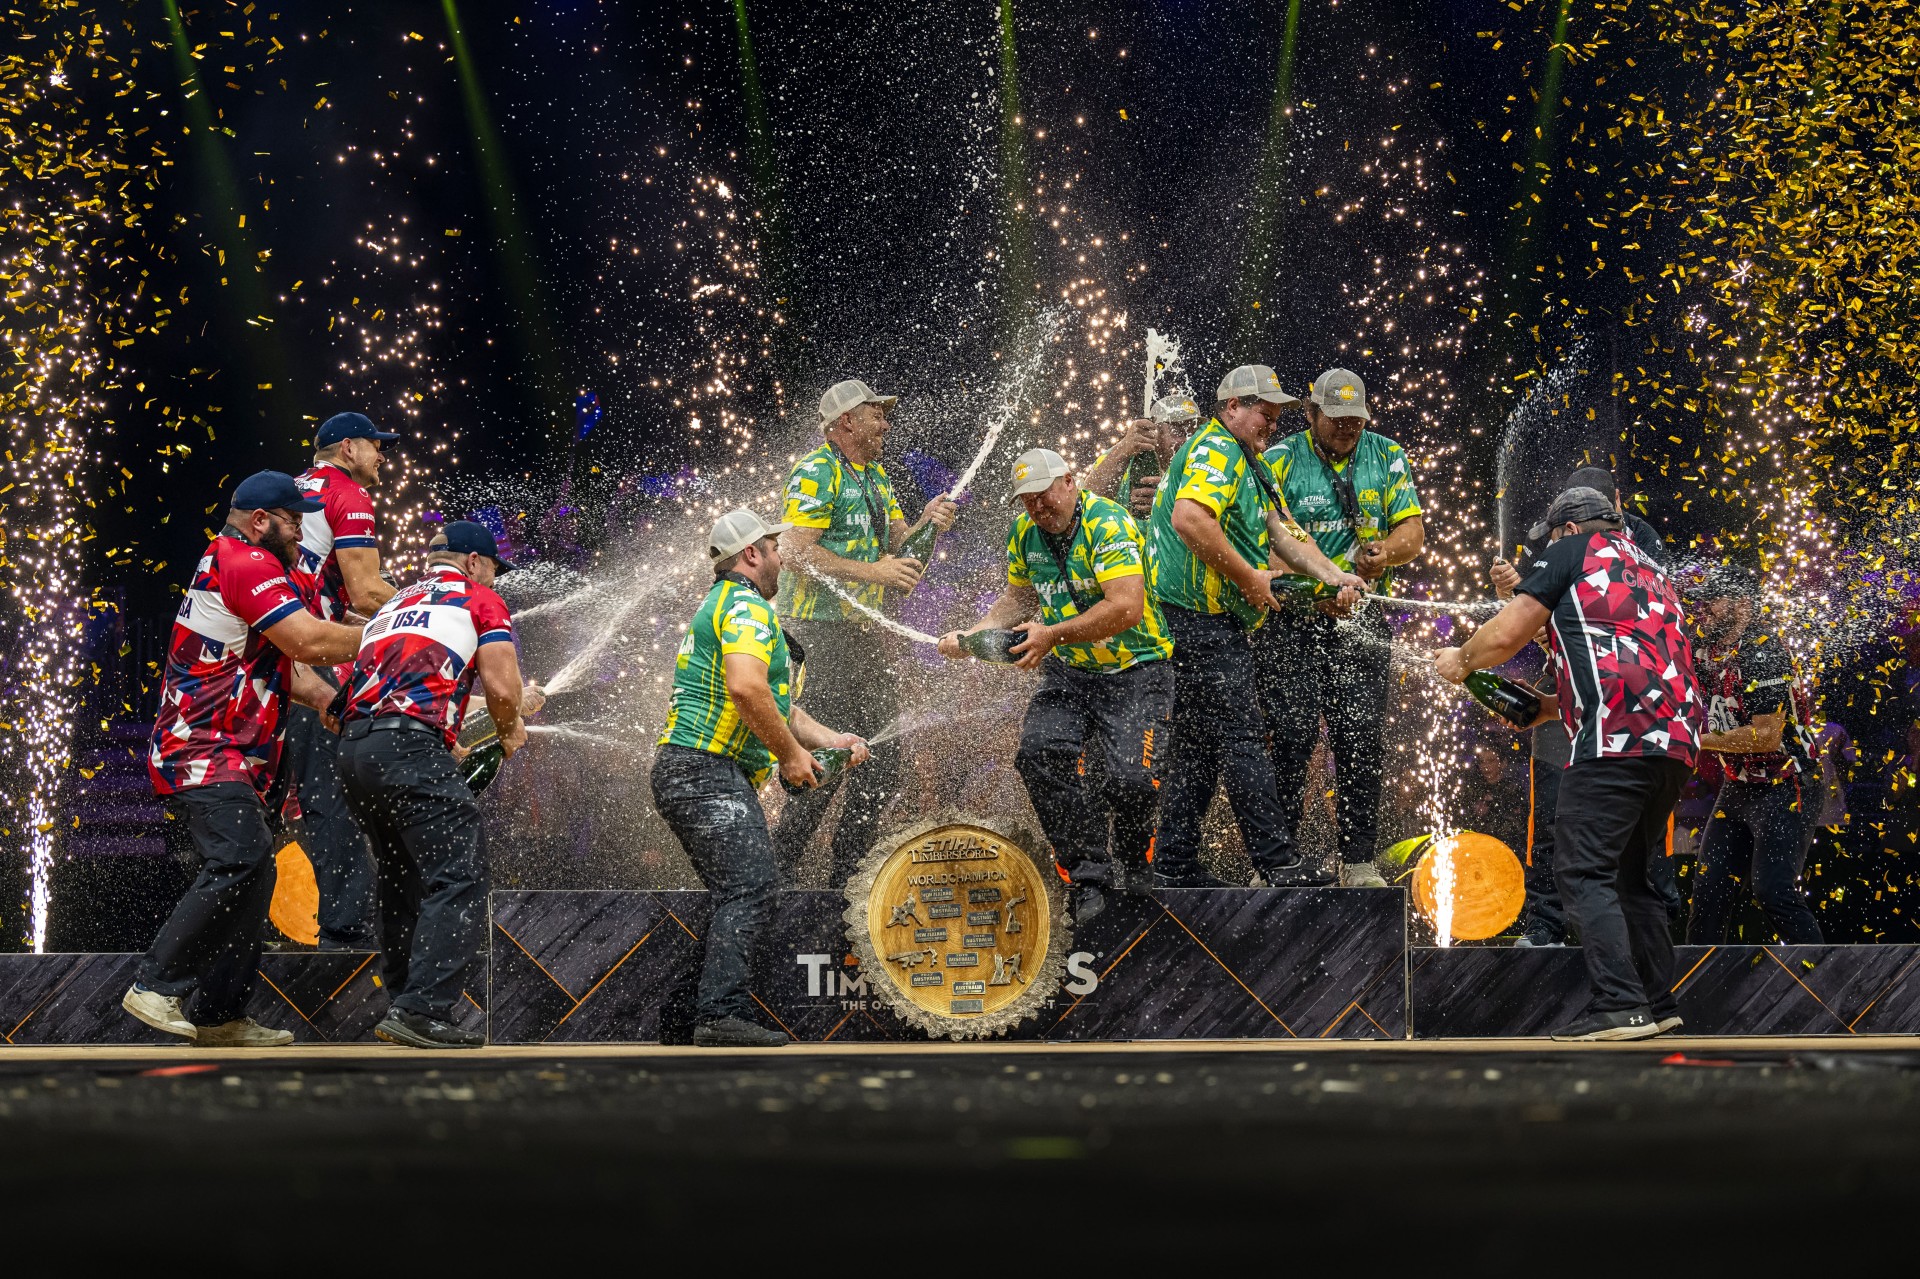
<point>1254,381</point>
<point>1170,410</point>
<point>1035,471</point>
<point>736,531</point>
<point>1340,393</point>
<point>842,397</point>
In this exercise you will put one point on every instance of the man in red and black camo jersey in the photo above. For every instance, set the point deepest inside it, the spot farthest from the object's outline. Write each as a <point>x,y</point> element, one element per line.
<point>339,572</point>
<point>216,759</point>
<point>1632,707</point>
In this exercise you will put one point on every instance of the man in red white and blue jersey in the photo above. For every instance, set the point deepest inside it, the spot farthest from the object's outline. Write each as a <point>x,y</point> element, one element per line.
<point>216,758</point>
<point>405,702</point>
<point>339,572</point>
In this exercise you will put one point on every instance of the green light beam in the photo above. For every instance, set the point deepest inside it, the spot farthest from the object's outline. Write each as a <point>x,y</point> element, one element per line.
<point>1258,270</point>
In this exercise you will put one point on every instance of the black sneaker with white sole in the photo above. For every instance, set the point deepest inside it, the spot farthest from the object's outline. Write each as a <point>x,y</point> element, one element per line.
<point>417,1030</point>
<point>1634,1023</point>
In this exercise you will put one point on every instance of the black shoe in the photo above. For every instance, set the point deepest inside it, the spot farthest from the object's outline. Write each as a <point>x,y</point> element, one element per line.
<point>1636,1023</point>
<point>417,1030</point>
<point>1195,878</point>
<point>1085,901</point>
<point>737,1032</point>
<point>1298,873</point>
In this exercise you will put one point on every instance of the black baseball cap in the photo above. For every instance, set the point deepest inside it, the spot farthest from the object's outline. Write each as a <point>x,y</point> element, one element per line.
<point>272,490</point>
<point>1576,505</point>
<point>468,537</point>
<point>1597,478</point>
<point>350,426</point>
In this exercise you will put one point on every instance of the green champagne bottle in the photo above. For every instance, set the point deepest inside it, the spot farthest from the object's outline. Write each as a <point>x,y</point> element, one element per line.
<point>919,544</point>
<point>992,645</point>
<point>1509,699</point>
<point>482,764</point>
<point>833,761</point>
<point>1301,587</point>
<point>1138,468</point>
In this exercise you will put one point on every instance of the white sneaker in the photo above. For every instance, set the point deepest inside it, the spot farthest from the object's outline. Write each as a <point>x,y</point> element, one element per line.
<point>162,1012</point>
<point>1362,875</point>
<point>244,1033</point>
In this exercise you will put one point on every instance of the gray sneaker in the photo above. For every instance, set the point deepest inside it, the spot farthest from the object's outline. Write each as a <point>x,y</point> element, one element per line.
<point>162,1012</point>
<point>1362,875</point>
<point>243,1033</point>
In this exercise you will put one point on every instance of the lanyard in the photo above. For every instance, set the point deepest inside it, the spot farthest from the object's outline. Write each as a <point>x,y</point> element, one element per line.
<point>1064,562</point>
<point>876,519</point>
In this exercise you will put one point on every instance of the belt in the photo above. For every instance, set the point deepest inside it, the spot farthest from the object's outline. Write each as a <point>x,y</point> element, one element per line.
<point>359,728</point>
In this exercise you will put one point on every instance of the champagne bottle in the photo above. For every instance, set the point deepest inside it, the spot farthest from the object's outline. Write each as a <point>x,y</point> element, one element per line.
<point>992,645</point>
<point>1139,466</point>
<point>1301,587</point>
<point>482,764</point>
<point>919,543</point>
<point>833,761</point>
<point>1509,699</point>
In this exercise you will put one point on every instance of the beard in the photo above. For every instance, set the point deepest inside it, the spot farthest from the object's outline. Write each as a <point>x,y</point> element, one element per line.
<point>282,546</point>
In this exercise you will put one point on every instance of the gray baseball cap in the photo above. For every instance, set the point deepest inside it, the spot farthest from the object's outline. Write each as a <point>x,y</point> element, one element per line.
<point>1254,381</point>
<point>845,396</point>
<point>1576,505</point>
<point>1035,471</point>
<point>736,531</point>
<point>1341,393</point>
<point>1171,410</point>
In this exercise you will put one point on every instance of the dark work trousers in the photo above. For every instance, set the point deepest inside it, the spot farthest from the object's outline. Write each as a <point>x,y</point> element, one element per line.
<point>1612,819</point>
<point>1218,736</point>
<point>852,686</point>
<point>424,826</point>
<point>1090,753</point>
<point>1759,834</point>
<point>331,839</point>
<point>1543,918</point>
<point>715,813</point>
<point>210,946</point>
<point>1312,669</point>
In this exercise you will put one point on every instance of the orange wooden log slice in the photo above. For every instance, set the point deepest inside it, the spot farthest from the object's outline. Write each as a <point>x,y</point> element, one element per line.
<point>1489,886</point>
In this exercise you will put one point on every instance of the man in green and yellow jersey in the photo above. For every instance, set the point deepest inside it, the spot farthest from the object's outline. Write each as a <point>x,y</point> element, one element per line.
<point>843,545</point>
<point>1352,490</point>
<point>1106,689</point>
<point>1218,528</point>
<point>731,718</point>
<point>1130,472</point>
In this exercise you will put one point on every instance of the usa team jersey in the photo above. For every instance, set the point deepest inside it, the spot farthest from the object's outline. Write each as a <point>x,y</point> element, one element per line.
<point>345,521</point>
<point>416,655</point>
<point>1757,676</point>
<point>1620,649</point>
<point>224,695</point>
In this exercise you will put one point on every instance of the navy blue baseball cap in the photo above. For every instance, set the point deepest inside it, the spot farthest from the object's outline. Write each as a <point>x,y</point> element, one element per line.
<point>272,490</point>
<point>350,426</point>
<point>466,537</point>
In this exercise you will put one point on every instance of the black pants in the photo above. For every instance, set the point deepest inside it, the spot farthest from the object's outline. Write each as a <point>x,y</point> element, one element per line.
<point>1218,736</point>
<point>852,686</point>
<point>1612,820</point>
<point>210,946</point>
<point>425,830</point>
<point>1313,670</point>
<point>1543,918</point>
<point>715,814</point>
<point>1759,831</point>
<point>342,865</point>
<point>1090,752</point>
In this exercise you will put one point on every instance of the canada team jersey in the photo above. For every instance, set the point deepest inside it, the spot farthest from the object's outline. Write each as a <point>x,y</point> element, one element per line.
<point>416,655</point>
<point>700,714</point>
<point>343,522</point>
<point>1756,676</point>
<point>854,508</point>
<point>1212,469</point>
<point>1103,545</point>
<point>1620,649</point>
<point>223,698</point>
<point>1383,490</point>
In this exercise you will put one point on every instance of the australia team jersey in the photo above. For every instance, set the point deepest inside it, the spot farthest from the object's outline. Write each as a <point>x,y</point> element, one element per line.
<point>1103,545</point>
<point>224,695</point>
<point>700,714</point>
<point>1212,469</point>
<point>1620,649</point>
<point>416,655</point>
<point>1382,482</point>
<point>344,521</point>
<point>854,508</point>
